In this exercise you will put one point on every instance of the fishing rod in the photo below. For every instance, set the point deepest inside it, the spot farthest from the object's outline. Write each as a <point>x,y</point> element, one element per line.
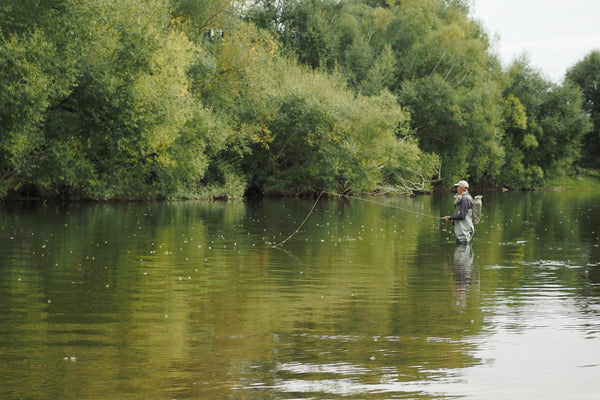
<point>349,197</point>
<point>384,205</point>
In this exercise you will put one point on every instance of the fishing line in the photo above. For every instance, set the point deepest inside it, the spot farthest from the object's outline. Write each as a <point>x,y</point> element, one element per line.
<point>303,222</point>
<point>350,197</point>
<point>385,205</point>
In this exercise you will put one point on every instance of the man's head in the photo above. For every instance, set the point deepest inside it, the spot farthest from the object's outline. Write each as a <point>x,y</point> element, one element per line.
<point>462,186</point>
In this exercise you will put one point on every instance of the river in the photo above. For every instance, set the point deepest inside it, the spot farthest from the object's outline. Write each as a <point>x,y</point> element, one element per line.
<point>189,300</point>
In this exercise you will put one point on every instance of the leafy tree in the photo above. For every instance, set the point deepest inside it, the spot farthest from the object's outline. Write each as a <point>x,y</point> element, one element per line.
<point>307,28</point>
<point>182,98</point>
<point>299,131</point>
<point>304,131</point>
<point>322,137</point>
<point>451,86</point>
<point>35,73</point>
<point>430,54</point>
<point>549,142</point>
<point>586,74</point>
<point>132,97</point>
<point>201,17</point>
<point>109,127</point>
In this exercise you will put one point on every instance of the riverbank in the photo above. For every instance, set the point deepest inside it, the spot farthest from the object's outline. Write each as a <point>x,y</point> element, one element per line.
<point>586,180</point>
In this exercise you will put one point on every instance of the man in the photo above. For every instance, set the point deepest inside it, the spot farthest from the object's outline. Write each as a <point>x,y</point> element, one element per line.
<point>463,214</point>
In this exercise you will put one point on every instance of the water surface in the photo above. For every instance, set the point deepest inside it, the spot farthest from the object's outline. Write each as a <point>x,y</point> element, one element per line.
<point>188,300</point>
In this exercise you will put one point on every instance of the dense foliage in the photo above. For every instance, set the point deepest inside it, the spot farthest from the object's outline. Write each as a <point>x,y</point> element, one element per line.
<point>144,99</point>
<point>586,74</point>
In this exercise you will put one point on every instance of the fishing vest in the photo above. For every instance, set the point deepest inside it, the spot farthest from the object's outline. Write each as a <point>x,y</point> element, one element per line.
<point>458,198</point>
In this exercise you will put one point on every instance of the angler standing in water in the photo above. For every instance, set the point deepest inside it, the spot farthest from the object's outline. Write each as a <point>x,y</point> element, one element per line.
<point>463,214</point>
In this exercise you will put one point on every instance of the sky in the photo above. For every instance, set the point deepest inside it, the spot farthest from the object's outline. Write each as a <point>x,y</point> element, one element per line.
<point>554,34</point>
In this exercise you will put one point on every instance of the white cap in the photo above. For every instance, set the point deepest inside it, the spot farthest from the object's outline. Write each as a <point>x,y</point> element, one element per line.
<point>462,184</point>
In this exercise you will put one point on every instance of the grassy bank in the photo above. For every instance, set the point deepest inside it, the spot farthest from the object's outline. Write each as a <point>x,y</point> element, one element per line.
<point>584,180</point>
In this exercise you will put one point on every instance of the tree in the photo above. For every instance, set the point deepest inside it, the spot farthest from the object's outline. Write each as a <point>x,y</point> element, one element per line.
<point>299,131</point>
<point>182,98</point>
<point>427,53</point>
<point>306,132</point>
<point>308,29</point>
<point>451,85</point>
<point>549,142</point>
<point>35,73</point>
<point>586,74</point>
<point>105,100</point>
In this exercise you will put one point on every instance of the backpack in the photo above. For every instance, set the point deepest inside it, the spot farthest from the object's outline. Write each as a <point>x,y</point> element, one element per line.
<point>477,209</point>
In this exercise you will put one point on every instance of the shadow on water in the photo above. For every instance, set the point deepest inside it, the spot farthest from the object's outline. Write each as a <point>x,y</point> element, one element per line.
<point>189,300</point>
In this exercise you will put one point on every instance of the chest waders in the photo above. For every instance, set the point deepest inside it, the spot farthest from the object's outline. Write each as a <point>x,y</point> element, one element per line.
<point>463,228</point>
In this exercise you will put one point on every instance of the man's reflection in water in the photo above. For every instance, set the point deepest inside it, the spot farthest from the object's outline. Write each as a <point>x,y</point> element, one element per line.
<point>465,273</point>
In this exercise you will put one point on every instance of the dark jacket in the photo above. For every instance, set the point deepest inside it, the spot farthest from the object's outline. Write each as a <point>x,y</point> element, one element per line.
<point>462,205</point>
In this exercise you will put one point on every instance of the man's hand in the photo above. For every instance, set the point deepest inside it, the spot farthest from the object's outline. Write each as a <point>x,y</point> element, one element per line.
<point>446,218</point>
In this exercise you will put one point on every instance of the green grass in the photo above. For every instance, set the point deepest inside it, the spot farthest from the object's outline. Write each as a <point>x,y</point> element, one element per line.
<point>584,180</point>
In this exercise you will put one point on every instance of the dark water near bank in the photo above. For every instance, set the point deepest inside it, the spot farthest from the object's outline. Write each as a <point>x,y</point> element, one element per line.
<point>189,300</point>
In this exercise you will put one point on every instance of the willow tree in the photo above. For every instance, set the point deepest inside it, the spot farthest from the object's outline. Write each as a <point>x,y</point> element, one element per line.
<point>106,109</point>
<point>35,74</point>
<point>314,134</point>
<point>451,85</point>
<point>429,54</point>
<point>300,131</point>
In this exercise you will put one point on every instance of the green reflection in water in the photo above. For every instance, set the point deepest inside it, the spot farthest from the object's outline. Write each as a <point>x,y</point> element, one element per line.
<point>188,300</point>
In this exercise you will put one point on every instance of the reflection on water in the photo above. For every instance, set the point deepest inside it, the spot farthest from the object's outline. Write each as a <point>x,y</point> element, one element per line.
<point>465,273</point>
<point>190,301</point>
